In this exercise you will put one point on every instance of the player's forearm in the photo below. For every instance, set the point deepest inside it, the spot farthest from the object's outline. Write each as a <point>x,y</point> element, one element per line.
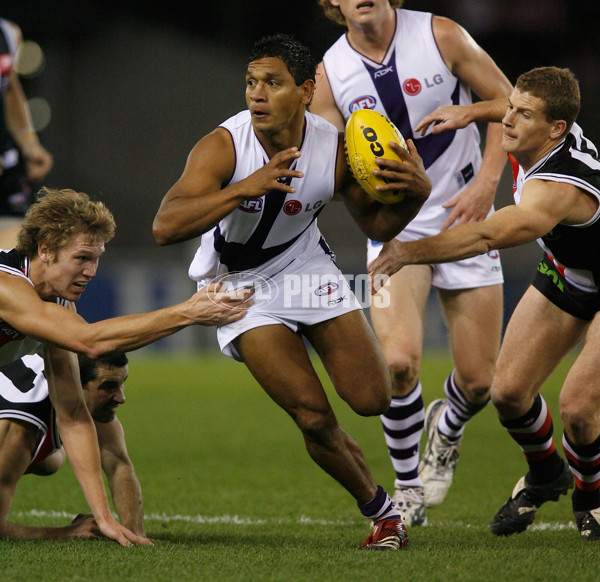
<point>488,111</point>
<point>494,157</point>
<point>131,332</point>
<point>461,242</point>
<point>23,532</point>
<point>81,444</point>
<point>389,221</point>
<point>127,497</point>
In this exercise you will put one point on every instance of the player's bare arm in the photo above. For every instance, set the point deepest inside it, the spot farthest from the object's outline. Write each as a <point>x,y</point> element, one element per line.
<point>543,205</point>
<point>52,324</point>
<point>198,200</point>
<point>470,63</point>
<point>384,221</point>
<point>38,160</point>
<point>323,103</point>
<point>447,117</point>
<point>122,480</point>
<point>81,443</point>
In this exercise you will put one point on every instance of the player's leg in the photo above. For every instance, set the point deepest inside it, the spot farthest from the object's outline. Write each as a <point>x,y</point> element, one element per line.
<point>49,465</point>
<point>18,441</point>
<point>398,323</point>
<point>278,359</point>
<point>537,337</point>
<point>580,415</point>
<point>474,319</point>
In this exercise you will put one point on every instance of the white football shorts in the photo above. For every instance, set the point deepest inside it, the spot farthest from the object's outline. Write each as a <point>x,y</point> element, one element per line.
<point>308,290</point>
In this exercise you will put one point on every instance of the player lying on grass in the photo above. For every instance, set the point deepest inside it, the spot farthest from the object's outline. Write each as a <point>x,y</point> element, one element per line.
<point>59,247</point>
<point>253,188</point>
<point>30,442</point>
<point>557,194</point>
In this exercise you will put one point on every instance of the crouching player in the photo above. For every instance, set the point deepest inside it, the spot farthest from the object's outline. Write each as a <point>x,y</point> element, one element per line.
<point>30,443</point>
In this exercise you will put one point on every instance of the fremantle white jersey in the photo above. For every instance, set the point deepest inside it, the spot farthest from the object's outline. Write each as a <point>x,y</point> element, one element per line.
<point>411,82</point>
<point>574,249</point>
<point>263,233</point>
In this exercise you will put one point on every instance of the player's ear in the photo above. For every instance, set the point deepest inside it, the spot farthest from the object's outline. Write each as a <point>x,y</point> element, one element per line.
<point>44,252</point>
<point>308,90</point>
<point>558,129</point>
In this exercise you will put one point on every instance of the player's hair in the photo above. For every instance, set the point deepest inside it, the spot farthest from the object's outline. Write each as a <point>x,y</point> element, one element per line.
<point>294,54</point>
<point>335,14</point>
<point>88,368</point>
<point>58,216</point>
<point>557,88</point>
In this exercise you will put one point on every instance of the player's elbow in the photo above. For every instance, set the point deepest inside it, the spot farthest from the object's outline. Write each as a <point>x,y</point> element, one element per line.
<point>162,234</point>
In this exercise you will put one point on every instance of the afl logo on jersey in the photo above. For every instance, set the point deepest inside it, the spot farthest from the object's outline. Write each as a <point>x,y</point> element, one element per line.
<point>493,255</point>
<point>326,289</point>
<point>292,207</point>
<point>411,86</point>
<point>364,102</point>
<point>254,205</point>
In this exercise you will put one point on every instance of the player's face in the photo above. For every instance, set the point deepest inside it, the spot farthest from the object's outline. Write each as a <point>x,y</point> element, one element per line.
<point>363,12</point>
<point>105,393</point>
<point>273,98</point>
<point>525,127</point>
<point>68,271</point>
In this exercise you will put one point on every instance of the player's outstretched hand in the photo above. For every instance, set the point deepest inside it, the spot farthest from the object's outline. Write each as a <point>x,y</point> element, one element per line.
<point>115,531</point>
<point>390,260</point>
<point>407,176</point>
<point>214,306</point>
<point>444,118</point>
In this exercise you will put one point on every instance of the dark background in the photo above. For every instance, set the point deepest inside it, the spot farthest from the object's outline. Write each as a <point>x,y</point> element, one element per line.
<point>133,85</point>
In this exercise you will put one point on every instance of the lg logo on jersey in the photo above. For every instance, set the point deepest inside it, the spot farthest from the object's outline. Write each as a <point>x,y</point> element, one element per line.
<point>413,86</point>
<point>292,207</point>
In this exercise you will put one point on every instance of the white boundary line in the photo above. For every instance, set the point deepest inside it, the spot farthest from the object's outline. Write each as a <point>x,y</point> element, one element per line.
<point>302,520</point>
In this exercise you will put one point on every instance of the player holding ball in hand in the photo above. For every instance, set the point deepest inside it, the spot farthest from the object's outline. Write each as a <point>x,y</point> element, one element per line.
<point>253,189</point>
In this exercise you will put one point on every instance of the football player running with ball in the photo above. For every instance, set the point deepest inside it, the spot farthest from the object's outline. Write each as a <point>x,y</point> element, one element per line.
<point>404,64</point>
<point>253,189</point>
<point>557,194</point>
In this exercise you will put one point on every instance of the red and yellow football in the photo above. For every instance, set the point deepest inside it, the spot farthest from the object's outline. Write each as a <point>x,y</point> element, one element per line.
<point>367,136</point>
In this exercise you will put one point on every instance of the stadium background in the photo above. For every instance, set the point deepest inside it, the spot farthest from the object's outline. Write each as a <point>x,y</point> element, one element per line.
<point>125,88</point>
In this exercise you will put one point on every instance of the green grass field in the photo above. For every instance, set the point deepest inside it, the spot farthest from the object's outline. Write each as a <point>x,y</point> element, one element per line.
<point>230,494</point>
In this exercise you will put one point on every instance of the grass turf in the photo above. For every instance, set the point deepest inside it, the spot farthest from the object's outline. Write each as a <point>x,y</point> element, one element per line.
<point>230,494</point>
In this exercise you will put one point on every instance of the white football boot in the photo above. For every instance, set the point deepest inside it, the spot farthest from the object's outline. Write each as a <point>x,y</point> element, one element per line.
<point>438,462</point>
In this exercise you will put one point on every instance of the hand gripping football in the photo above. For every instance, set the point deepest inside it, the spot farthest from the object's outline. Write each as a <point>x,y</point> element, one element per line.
<point>367,136</point>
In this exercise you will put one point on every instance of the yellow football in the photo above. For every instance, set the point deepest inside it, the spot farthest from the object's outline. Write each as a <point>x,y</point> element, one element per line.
<point>367,136</point>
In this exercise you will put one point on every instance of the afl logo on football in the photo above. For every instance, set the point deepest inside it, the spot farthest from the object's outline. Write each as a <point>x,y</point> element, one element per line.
<point>254,205</point>
<point>292,207</point>
<point>364,102</point>
<point>412,86</point>
<point>326,289</point>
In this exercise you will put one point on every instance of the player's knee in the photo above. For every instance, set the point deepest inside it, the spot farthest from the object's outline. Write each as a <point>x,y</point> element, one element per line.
<point>50,465</point>
<point>507,400</point>
<point>579,420</point>
<point>404,371</point>
<point>315,424</point>
<point>474,387</point>
<point>373,402</point>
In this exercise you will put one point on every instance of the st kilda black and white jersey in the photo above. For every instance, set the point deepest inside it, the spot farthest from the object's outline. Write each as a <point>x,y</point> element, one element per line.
<point>13,344</point>
<point>573,248</point>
